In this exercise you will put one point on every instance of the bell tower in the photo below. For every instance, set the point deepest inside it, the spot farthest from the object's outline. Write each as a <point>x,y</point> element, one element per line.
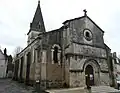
<point>37,26</point>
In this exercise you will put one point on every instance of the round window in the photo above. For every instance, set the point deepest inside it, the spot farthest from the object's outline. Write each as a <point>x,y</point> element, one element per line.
<point>88,34</point>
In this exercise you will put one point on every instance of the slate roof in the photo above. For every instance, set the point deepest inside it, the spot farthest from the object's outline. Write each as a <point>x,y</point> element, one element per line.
<point>38,22</point>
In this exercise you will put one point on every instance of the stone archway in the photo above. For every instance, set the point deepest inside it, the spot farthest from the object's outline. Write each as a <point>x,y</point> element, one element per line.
<point>92,72</point>
<point>89,75</point>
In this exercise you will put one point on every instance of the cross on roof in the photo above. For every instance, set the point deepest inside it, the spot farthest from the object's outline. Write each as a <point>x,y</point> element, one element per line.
<point>85,12</point>
<point>38,1</point>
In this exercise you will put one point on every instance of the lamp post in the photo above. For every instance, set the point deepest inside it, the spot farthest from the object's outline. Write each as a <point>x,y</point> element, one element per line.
<point>37,86</point>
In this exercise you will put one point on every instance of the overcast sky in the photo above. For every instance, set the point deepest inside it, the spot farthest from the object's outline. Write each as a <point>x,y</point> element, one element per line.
<point>16,15</point>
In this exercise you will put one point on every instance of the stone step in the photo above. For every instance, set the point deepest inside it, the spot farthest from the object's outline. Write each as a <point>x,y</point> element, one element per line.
<point>94,89</point>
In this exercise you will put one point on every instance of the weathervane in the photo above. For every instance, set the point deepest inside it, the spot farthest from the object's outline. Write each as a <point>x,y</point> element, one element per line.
<point>85,12</point>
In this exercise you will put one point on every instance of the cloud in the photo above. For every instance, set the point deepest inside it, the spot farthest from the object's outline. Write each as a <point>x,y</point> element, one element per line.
<point>16,15</point>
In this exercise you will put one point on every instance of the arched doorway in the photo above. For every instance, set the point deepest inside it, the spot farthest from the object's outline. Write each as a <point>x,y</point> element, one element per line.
<point>89,75</point>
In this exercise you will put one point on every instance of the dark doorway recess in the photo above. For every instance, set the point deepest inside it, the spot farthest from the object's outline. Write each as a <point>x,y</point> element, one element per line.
<point>21,69</point>
<point>89,74</point>
<point>28,68</point>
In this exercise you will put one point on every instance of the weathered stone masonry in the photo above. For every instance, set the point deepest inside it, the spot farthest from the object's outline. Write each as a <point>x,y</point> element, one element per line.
<point>63,57</point>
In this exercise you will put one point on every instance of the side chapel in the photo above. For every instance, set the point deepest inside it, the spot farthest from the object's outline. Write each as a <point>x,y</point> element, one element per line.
<point>73,55</point>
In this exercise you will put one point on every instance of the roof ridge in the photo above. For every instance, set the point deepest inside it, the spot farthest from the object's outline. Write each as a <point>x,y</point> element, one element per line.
<point>81,18</point>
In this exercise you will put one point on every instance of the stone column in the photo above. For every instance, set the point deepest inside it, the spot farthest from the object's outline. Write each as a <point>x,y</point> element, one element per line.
<point>52,56</point>
<point>43,69</point>
<point>59,57</point>
<point>19,68</point>
<point>37,66</point>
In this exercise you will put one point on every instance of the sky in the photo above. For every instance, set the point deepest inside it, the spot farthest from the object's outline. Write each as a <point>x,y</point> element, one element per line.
<point>16,16</point>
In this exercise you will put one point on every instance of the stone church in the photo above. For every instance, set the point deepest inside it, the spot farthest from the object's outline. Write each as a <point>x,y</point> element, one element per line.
<point>73,55</point>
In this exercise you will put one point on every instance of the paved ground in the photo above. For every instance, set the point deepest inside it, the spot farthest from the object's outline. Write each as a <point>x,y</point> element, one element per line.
<point>8,86</point>
<point>100,89</point>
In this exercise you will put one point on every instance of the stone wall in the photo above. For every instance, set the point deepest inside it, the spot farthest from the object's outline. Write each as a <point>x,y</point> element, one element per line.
<point>32,71</point>
<point>104,78</point>
<point>77,79</point>
<point>54,74</point>
<point>78,65</point>
<point>77,32</point>
<point>103,65</point>
<point>87,50</point>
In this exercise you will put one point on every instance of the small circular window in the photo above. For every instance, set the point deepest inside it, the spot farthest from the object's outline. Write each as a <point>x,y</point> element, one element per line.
<point>88,34</point>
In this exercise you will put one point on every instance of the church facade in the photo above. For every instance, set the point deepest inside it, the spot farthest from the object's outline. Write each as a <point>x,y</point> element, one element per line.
<point>74,55</point>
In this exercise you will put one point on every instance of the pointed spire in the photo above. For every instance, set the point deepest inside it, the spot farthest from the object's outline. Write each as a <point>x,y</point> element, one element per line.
<point>38,23</point>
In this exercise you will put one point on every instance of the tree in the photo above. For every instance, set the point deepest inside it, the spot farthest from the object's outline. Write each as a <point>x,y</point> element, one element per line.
<point>16,51</point>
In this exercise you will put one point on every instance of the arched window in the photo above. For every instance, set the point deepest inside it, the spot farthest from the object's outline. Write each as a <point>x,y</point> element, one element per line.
<point>55,54</point>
